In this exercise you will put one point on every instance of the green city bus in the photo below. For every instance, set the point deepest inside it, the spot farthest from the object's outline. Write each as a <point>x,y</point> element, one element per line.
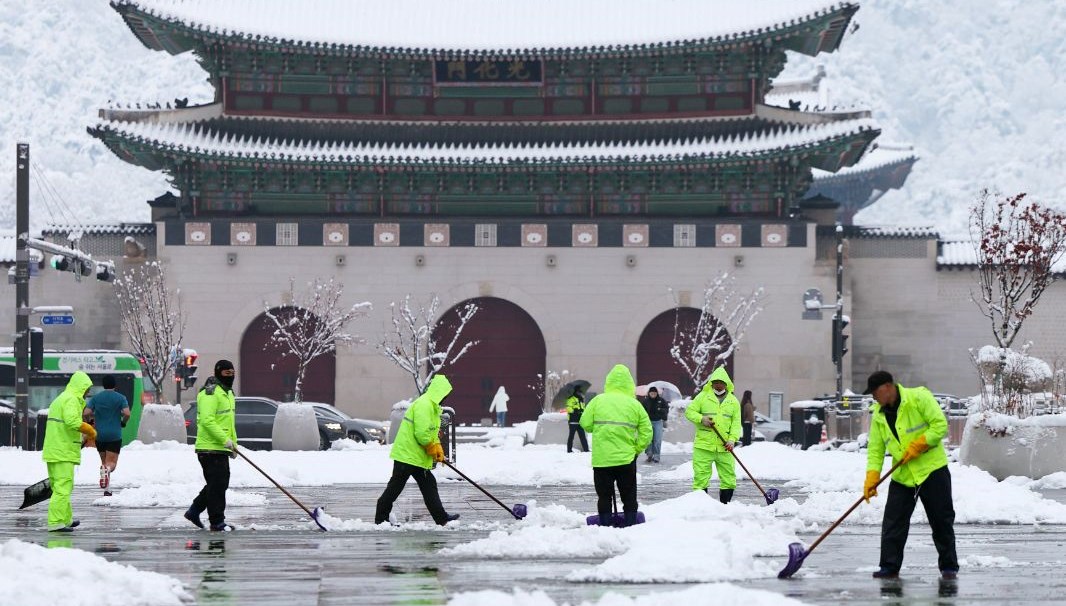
<point>59,366</point>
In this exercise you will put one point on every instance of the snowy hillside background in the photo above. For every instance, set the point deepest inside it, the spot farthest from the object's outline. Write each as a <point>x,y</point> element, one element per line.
<point>977,87</point>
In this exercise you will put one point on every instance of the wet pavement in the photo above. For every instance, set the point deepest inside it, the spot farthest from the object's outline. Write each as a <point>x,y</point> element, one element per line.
<point>276,558</point>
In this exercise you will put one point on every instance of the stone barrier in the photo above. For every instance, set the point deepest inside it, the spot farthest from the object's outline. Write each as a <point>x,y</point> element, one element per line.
<point>295,428</point>
<point>160,422</point>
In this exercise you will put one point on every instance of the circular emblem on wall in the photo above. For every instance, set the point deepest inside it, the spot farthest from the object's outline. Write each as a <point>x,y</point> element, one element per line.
<point>386,237</point>
<point>436,237</point>
<point>584,237</point>
<point>244,237</point>
<point>335,237</point>
<point>534,238</point>
<point>636,238</point>
<point>773,238</point>
<point>729,239</point>
<point>198,235</point>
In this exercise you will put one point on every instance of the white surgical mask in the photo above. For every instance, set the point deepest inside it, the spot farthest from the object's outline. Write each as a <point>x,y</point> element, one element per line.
<point>719,392</point>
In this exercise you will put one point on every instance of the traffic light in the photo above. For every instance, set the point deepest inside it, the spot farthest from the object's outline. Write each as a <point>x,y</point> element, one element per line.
<point>179,369</point>
<point>60,263</point>
<point>83,267</point>
<point>189,377</point>
<point>105,272</point>
<point>840,340</point>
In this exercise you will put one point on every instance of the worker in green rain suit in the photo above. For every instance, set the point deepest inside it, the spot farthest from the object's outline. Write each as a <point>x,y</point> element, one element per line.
<point>620,431</point>
<point>715,408</point>
<point>416,449</point>
<point>62,448</point>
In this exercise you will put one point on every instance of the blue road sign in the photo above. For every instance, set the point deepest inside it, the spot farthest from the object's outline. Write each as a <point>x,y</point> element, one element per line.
<point>53,320</point>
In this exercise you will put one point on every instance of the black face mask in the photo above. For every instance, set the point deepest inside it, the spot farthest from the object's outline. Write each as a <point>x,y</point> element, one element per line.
<point>225,379</point>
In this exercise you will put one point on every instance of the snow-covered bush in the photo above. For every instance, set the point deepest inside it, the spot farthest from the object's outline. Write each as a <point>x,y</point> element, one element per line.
<point>1011,379</point>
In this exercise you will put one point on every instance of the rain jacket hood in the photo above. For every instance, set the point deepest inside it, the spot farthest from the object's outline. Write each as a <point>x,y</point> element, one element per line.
<point>62,438</point>
<point>725,412</point>
<point>420,425</point>
<point>620,426</point>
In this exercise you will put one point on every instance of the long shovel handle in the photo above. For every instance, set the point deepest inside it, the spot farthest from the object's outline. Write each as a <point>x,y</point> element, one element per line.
<point>475,485</point>
<point>280,487</point>
<point>742,466</point>
<point>852,508</point>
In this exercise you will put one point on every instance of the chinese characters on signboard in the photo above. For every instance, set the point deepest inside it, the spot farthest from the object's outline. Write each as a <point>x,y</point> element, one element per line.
<point>488,72</point>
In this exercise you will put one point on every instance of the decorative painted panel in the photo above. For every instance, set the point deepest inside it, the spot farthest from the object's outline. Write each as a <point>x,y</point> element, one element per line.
<point>774,235</point>
<point>634,235</point>
<point>335,234</point>
<point>436,234</point>
<point>684,235</point>
<point>386,234</point>
<point>585,236</point>
<point>534,234</point>
<point>242,234</point>
<point>198,234</point>
<point>727,235</point>
<point>485,234</point>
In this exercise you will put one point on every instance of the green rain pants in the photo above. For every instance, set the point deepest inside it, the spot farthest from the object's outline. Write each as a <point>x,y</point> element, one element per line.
<point>702,460</point>
<point>61,475</point>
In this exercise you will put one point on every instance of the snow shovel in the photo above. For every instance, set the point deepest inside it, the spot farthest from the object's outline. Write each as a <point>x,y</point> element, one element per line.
<point>519,511</point>
<point>770,495</point>
<point>314,514</point>
<point>41,491</point>
<point>618,520</point>
<point>796,553</point>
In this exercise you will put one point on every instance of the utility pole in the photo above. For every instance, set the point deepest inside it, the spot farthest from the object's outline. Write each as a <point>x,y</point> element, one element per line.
<point>838,319</point>
<point>22,295</point>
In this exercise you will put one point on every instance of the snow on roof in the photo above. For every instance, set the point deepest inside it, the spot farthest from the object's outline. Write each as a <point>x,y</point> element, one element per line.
<point>191,138</point>
<point>482,26</point>
<point>898,231</point>
<point>961,253</point>
<point>879,157</point>
<point>101,229</point>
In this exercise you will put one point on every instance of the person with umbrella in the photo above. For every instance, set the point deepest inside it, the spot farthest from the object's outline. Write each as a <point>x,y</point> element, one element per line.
<point>575,406</point>
<point>657,409</point>
<point>622,429</point>
<point>715,407</point>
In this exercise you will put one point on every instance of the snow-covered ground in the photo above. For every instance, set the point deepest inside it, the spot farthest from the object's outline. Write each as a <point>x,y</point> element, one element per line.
<point>711,544</point>
<point>39,576</point>
<point>721,594</point>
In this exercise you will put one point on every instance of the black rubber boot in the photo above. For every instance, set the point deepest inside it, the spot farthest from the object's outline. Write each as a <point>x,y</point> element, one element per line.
<point>631,518</point>
<point>725,495</point>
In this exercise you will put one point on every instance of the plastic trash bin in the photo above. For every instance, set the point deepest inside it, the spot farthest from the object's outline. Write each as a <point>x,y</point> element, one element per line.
<point>808,419</point>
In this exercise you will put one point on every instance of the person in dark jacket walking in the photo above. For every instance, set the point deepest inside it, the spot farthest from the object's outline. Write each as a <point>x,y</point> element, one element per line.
<point>216,444</point>
<point>575,405</point>
<point>747,417</point>
<point>657,409</point>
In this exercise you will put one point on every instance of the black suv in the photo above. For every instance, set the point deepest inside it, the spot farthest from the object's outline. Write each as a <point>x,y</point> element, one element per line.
<point>255,424</point>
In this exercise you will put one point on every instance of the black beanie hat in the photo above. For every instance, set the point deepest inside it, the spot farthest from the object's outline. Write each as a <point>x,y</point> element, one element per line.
<point>222,365</point>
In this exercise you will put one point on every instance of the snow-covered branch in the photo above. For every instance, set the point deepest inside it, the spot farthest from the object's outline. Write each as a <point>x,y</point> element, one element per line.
<point>721,326</point>
<point>313,325</point>
<point>413,346</point>
<point>152,319</point>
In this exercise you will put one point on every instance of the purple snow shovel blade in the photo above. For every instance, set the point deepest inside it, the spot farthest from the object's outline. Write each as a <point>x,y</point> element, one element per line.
<point>519,511</point>
<point>317,511</point>
<point>796,555</point>
<point>772,495</point>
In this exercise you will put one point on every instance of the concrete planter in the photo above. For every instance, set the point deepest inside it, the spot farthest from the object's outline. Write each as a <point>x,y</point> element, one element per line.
<point>160,422</point>
<point>295,428</point>
<point>553,428</point>
<point>1007,446</point>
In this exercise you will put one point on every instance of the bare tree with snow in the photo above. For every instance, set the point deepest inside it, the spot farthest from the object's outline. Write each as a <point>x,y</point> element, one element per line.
<point>1017,244</point>
<point>152,319</point>
<point>313,324</point>
<point>413,346</point>
<point>723,321</point>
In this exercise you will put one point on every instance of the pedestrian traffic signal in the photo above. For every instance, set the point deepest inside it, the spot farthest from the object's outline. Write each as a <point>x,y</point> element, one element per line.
<point>105,272</point>
<point>840,340</point>
<point>189,377</point>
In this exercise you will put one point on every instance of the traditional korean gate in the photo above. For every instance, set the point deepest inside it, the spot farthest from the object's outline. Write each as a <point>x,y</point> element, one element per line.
<point>654,362</point>
<point>263,372</point>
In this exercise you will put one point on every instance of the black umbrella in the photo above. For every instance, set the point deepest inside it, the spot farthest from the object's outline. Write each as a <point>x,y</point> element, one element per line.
<point>567,390</point>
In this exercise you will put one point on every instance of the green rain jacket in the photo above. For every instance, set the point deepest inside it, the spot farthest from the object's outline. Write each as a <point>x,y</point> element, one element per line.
<point>726,414</point>
<point>919,414</point>
<point>62,440</point>
<point>421,425</point>
<point>574,408</point>
<point>619,424</point>
<point>215,422</point>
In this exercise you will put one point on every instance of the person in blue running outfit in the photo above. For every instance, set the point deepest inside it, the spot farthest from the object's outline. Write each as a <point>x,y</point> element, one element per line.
<point>110,411</point>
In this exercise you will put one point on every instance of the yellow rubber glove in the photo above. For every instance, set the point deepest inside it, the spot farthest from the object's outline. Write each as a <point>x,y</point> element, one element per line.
<point>88,430</point>
<point>915,449</point>
<point>869,487</point>
<point>436,451</point>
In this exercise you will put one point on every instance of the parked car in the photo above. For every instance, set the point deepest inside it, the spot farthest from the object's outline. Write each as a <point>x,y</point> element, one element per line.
<point>773,431</point>
<point>254,419</point>
<point>360,430</point>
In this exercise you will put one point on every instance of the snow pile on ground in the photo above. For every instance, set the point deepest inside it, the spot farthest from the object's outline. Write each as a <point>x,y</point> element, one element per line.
<point>708,542</point>
<point>724,594</point>
<point>173,495</point>
<point>35,576</point>
<point>988,561</point>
